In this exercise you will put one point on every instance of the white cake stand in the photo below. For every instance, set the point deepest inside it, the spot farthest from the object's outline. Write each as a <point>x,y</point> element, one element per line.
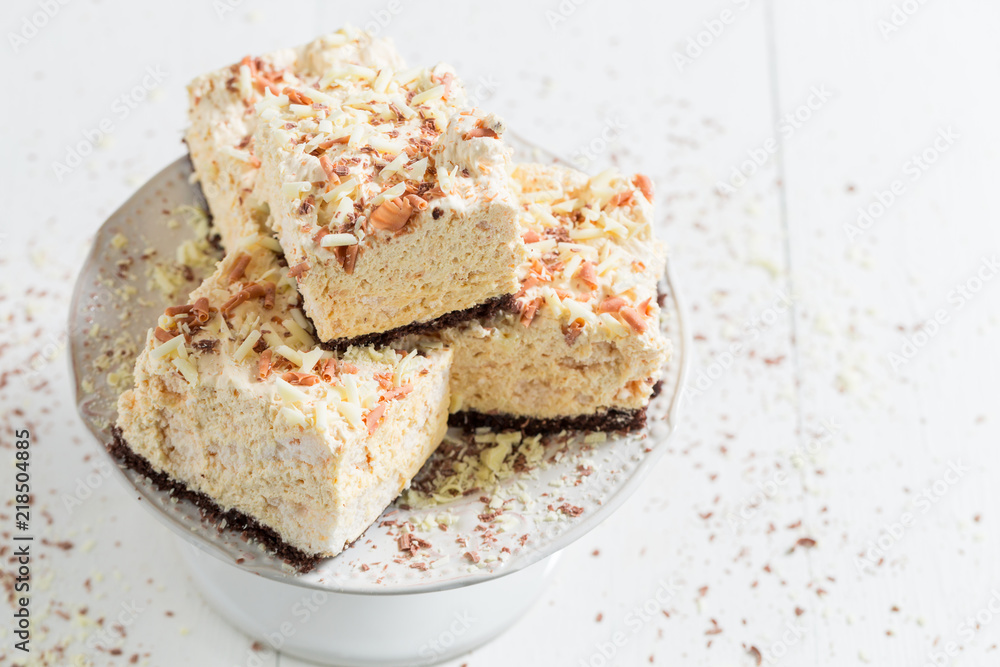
<point>372,605</point>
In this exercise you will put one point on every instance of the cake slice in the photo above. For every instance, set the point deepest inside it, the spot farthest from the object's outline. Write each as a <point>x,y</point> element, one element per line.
<point>222,120</point>
<point>236,407</point>
<point>392,203</point>
<point>584,349</point>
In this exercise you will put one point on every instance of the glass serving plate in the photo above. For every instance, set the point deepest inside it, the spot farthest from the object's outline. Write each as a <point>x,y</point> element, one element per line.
<point>116,292</point>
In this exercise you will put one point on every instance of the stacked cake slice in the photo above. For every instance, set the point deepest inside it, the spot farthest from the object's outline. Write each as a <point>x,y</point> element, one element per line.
<point>386,265</point>
<point>392,204</point>
<point>583,348</point>
<point>390,200</point>
<point>234,399</point>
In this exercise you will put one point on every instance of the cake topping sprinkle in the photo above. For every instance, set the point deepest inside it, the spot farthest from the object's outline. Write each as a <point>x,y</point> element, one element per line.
<point>239,266</point>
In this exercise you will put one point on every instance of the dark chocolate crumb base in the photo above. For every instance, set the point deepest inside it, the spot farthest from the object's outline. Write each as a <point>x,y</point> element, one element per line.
<point>609,420</point>
<point>235,520</point>
<point>481,311</point>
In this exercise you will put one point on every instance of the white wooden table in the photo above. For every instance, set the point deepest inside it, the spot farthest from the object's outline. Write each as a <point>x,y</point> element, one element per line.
<point>830,498</point>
